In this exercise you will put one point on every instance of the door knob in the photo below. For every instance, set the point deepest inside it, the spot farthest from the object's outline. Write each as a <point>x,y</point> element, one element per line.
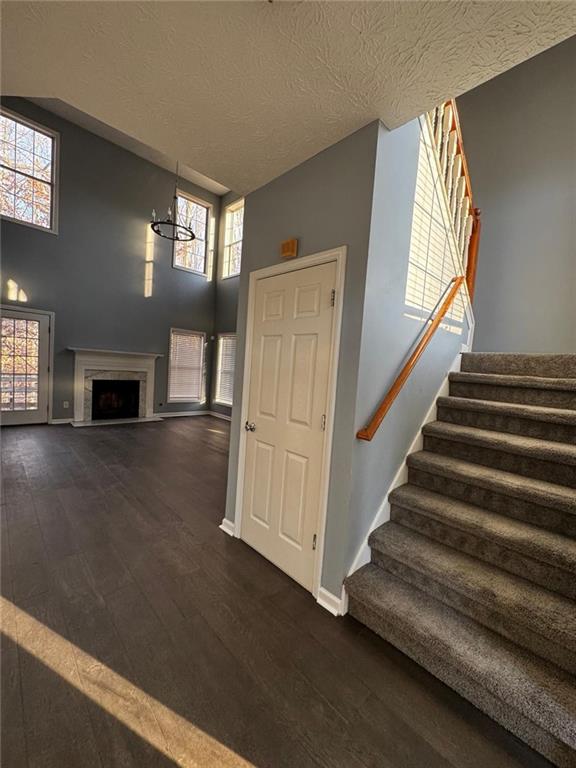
<point>250,426</point>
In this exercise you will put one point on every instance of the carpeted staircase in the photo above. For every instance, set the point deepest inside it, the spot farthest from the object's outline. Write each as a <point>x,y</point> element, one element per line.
<point>474,577</point>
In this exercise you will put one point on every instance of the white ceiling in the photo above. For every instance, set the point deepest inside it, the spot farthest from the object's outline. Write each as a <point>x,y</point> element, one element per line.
<point>243,91</point>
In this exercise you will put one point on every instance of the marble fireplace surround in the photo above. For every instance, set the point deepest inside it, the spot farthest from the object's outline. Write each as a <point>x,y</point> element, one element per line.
<point>91,364</point>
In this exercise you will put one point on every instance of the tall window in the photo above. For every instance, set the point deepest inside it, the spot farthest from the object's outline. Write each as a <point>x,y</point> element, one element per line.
<point>226,356</point>
<point>186,366</point>
<point>193,254</point>
<point>27,172</point>
<point>433,259</point>
<point>234,224</point>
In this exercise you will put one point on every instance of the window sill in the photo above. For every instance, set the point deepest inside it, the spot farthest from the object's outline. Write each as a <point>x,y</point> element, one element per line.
<point>190,271</point>
<point>31,225</point>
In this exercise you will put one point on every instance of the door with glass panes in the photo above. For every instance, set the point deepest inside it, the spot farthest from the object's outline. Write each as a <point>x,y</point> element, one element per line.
<point>24,367</point>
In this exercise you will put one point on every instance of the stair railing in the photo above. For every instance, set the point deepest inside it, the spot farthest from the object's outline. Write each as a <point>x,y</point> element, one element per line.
<point>444,128</point>
<point>447,133</point>
<point>432,323</point>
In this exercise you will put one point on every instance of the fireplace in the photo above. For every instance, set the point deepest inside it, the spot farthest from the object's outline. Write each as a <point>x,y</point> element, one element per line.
<point>95,369</point>
<point>115,399</point>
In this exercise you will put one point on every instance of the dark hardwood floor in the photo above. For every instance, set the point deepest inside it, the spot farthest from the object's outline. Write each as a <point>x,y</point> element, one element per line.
<point>136,633</point>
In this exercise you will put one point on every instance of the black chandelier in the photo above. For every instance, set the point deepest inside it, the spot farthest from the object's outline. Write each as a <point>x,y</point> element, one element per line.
<point>170,228</point>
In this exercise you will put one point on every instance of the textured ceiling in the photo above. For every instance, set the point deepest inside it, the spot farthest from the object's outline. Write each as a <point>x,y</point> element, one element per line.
<point>243,91</point>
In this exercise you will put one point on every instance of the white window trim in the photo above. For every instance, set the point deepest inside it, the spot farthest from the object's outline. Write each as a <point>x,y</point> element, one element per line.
<point>202,399</point>
<point>208,261</point>
<point>55,136</point>
<point>231,207</point>
<point>215,399</point>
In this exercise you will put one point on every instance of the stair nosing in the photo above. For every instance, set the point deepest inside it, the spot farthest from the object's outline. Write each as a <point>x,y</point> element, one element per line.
<point>563,416</point>
<point>513,380</point>
<point>533,447</point>
<point>548,495</point>
<point>534,618</point>
<point>528,671</point>
<point>547,555</point>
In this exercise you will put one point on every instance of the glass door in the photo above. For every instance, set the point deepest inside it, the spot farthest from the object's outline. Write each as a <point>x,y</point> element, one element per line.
<point>24,367</point>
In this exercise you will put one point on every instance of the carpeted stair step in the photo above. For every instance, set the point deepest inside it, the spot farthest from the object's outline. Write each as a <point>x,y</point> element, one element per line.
<point>560,366</point>
<point>528,456</point>
<point>557,424</point>
<point>541,621</point>
<point>530,390</point>
<point>545,558</point>
<point>530,697</point>
<point>547,505</point>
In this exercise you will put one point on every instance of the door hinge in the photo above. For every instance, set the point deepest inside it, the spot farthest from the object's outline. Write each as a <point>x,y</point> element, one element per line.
<point>333,297</point>
<point>323,422</point>
<point>314,541</point>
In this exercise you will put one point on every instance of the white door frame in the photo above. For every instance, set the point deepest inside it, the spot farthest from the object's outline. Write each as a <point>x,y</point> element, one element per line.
<point>51,322</point>
<point>337,255</point>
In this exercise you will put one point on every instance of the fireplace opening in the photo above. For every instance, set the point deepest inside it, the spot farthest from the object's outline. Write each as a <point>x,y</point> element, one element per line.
<point>115,399</point>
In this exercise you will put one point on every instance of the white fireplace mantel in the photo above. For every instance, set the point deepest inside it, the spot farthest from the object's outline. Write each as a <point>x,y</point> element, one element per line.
<point>89,362</point>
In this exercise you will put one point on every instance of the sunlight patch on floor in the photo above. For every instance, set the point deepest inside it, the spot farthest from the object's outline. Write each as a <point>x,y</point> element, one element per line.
<point>168,732</point>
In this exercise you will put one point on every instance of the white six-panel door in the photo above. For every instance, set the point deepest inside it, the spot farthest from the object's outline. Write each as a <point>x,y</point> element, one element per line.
<point>285,430</point>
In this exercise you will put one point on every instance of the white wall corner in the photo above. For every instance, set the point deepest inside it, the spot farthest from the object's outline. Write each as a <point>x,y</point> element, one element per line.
<point>337,606</point>
<point>227,526</point>
<point>401,477</point>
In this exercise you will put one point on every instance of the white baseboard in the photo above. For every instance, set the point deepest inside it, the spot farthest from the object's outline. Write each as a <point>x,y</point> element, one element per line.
<point>170,414</point>
<point>114,422</point>
<point>401,477</point>
<point>157,417</point>
<point>220,416</point>
<point>227,526</point>
<point>337,606</point>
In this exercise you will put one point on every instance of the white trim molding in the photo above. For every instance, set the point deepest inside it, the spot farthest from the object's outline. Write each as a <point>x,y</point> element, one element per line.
<point>401,477</point>
<point>108,360</point>
<point>338,606</point>
<point>228,527</point>
<point>337,255</point>
<point>17,307</point>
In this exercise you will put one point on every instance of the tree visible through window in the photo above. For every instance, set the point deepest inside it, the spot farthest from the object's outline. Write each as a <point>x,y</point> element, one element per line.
<point>27,176</point>
<point>234,225</point>
<point>19,369</point>
<point>192,254</point>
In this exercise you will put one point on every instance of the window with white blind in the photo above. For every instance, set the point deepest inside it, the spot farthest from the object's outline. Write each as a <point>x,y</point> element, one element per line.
<point>193,255</point>
<point>186,366</point>
<point>28,176</point>
<point>233,229</point>
<point>433,260</point>
<point>225,359</point>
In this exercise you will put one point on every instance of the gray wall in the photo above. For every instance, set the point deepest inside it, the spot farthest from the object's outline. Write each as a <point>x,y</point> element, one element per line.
<point>359,193</point>
<point>325,203</point>
<point>520,136</point>
<point>92,273</point>
<point>388,335</point>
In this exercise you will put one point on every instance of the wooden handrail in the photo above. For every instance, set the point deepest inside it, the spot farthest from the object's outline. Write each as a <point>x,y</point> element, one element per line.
<point>472,262</point>
<point>370,429</point>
